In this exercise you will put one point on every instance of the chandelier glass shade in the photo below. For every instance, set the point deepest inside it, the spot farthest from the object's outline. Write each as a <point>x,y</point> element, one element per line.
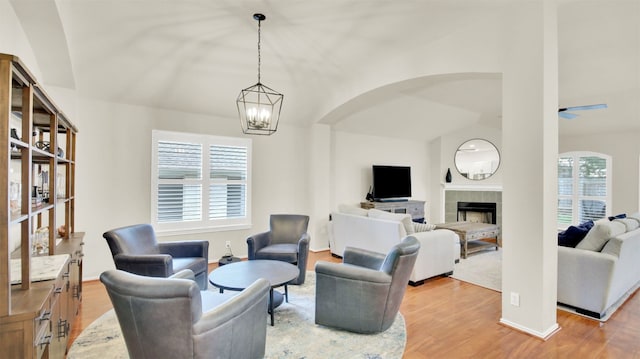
<point>259,106</point>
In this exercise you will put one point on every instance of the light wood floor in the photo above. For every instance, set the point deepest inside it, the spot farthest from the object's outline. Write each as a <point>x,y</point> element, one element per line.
<point>446,318</point>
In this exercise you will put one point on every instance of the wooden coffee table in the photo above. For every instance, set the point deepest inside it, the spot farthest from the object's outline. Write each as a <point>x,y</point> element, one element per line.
<point>472,235</point>
<point>238,276</point>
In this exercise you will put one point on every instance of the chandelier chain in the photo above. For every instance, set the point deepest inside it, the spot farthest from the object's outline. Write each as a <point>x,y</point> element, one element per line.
<point>259,50</point>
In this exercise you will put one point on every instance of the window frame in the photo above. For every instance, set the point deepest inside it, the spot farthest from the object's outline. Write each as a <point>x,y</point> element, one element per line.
<point>575,196</point>
<point>204,224</point>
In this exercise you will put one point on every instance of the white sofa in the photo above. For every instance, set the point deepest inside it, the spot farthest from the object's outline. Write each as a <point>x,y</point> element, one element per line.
<point>439,249</point>
<point>602,268</point>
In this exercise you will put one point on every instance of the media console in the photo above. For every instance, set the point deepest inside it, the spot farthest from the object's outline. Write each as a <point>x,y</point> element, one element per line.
<point>414,208</point>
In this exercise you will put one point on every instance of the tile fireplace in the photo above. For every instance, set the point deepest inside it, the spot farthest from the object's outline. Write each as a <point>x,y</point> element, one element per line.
<point>483,206</point>
<point>478,212</point>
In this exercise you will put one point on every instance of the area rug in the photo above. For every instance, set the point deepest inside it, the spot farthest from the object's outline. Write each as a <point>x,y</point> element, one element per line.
<point>482,268</point>
<point>295,334</point>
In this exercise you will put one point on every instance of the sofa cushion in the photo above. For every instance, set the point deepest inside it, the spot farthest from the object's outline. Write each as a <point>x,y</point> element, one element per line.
<point>348,209</point>
<point>399,217</point>
<point>574,234</point>
<point>630,223</point>
<point>634,216</point>
<point>423,227</point>
<point>601,232</point>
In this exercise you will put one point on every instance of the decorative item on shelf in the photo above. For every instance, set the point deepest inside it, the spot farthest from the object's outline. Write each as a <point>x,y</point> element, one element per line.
<point>36,197</point>
<point>40,242</point>
<point>15,192</point>
<point>369,196</point>
<point>259,106</point>
<point>14,134</point>
<point>60,186</point>
<point>447,178</point>
<point>62,231</point>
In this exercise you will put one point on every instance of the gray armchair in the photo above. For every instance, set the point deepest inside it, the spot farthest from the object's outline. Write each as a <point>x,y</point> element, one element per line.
<point>287,241</point>
<point>164,317</point>
<point>136,250</point>
<point>363,294</point>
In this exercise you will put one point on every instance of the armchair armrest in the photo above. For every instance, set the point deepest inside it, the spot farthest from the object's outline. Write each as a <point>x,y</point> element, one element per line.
<point>353,272</point>
<point>151,265</point>
<point>584,278</point>
<point>254,296</point>
<point>184,274</point>
<point>257,242</point>
<point>303,243</point>
<point>363,258</point>
<point>182,249</point>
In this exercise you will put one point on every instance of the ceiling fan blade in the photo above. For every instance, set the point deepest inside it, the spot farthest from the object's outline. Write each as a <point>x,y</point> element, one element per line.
<point>582,108</point>
<point>567,115</point>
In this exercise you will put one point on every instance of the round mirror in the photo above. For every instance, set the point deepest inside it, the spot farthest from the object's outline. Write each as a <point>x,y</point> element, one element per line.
<point>477,159</point>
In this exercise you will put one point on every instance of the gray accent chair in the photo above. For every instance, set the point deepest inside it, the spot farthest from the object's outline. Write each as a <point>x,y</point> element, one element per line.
<point>135,249</point>
<point>287,241</point>
<point>363,294</point>
<point>172,318</point>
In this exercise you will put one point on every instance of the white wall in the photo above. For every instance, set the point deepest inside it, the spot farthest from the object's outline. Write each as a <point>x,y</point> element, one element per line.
<point>624,149</point>
<point>352,158</point>
<point>13,39</point>
<point>113,174</point>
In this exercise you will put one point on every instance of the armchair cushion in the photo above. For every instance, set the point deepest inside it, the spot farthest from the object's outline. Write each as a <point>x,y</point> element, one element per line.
<point>286,252</point>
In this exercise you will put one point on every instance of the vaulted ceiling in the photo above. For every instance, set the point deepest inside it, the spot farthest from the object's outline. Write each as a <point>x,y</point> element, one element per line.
<point>362,66</point>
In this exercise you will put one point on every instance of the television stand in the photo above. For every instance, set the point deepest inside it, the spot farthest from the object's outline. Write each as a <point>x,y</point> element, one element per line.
<point>414,208</point>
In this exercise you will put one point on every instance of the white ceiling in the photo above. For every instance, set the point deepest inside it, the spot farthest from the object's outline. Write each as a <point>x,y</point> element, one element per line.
<point>196,56</point>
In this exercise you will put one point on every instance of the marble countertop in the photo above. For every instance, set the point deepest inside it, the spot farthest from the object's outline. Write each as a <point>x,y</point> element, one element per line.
<point>42,268</point>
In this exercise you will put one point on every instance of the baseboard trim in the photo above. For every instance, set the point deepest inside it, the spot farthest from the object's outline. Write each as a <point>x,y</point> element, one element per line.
<point>542,335</point>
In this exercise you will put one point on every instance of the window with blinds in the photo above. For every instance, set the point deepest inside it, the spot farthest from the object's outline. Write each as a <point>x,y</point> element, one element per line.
<point>200,182</point>
<point>584,187</point>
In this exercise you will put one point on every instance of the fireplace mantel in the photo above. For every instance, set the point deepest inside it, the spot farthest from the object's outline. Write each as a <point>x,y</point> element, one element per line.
<point>471,187</point>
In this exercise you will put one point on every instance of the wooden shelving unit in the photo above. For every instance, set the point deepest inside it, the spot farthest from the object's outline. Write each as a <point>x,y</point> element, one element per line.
<point>37,166</point>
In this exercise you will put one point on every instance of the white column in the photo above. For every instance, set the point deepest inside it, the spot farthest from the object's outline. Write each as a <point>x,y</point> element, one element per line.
<point>319,185</point>
<point>530,149</point>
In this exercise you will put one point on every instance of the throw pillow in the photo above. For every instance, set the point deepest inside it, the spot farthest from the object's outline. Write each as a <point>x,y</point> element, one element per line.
<point>621,215</point>
<point>348,209</point>
<point>423,227</point>
<point>399,217</point>
<point>629,223</point>
<point>574,234</point>
<point>600,234</point>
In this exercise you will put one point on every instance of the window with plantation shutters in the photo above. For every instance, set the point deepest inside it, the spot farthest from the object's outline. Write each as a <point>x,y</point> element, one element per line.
<point>584,187</point>
<point>200,182</point>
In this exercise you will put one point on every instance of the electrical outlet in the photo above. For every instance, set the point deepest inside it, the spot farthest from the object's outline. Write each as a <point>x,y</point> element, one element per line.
<point>515,299</point>
<point>227,244</point>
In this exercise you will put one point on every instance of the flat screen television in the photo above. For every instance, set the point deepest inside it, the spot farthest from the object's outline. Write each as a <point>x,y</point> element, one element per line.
<point>391,182</point>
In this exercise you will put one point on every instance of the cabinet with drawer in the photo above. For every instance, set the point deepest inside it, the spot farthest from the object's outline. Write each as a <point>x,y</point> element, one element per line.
<point>412,207</point>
